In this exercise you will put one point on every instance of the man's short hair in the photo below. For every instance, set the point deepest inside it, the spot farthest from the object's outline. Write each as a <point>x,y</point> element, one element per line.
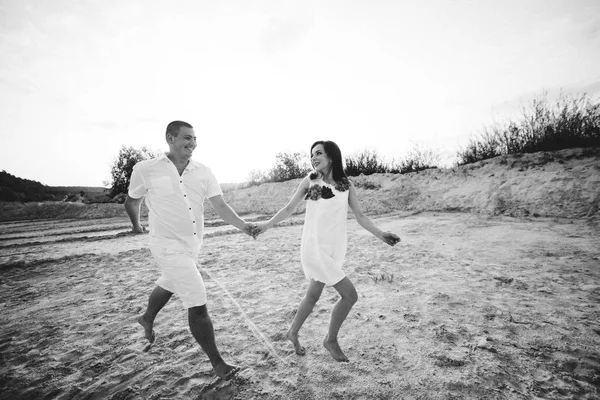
<point>173,127</point>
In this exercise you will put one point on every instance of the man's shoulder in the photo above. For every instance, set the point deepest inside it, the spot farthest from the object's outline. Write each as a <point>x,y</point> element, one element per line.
<point>204,174</point>
<point>150,162</point>
<point>201,168</point>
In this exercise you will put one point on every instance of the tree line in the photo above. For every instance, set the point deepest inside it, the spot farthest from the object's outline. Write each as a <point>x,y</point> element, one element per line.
<point>15,189</point>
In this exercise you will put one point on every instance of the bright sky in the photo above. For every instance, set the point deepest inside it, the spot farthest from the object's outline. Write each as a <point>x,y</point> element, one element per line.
<point>79,79</point>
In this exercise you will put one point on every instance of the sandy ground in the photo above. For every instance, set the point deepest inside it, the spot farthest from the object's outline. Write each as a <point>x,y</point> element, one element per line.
<point>466,307</point>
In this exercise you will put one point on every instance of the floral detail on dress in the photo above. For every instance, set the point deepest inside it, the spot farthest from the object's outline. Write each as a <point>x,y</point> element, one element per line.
<point>340,186</point>
<point>316,192</point>
<point>343,185</point>
<point>326,193</point>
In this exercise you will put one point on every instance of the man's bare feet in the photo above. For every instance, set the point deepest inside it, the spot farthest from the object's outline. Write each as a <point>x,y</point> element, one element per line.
<point>148,331</point>
<point>226,371</point>
<point>300,350</point>
<point>334,349</point>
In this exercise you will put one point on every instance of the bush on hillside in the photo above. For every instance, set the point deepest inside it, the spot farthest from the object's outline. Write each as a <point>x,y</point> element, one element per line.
<point>370,162</point>
<point>123,167</point>
<point>367,162</point>
<point>256,177</point>
<point>296,165</point>
<point>288,166</point>
<point>418,159</point>
<point>568,123</point>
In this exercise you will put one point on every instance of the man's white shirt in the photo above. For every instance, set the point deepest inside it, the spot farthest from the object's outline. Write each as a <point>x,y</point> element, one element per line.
<point>175,203</point>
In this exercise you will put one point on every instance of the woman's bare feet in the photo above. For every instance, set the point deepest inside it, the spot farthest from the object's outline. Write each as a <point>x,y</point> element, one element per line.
<point>148,331</point>
<point>334,349</point>
<point>300,350</point>
<point>225,371</point>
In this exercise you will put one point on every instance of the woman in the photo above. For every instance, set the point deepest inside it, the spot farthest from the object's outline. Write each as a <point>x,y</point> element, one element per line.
<point>328,193</point>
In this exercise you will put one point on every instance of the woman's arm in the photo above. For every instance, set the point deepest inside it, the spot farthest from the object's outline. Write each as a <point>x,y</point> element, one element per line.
<point>365,222</point>
<point>286,211</point>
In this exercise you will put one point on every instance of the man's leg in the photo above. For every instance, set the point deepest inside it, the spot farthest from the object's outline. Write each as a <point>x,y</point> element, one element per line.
<point>158,298</point>
<point>346,289</point>
<point>202,330</point>
<point>313,293</point>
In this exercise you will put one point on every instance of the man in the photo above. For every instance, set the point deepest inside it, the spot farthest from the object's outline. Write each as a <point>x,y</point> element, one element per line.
<point>175,187</point>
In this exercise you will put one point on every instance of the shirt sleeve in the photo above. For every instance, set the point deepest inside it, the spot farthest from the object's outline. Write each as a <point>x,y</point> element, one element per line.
<point>137,188</point>
<point>212,187</point>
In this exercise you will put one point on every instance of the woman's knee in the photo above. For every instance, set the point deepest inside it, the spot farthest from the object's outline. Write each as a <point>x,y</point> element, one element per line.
<point>313,293</point>
<point>198,311</point>
<point>312,298</point>
<point>347,290</point>
<point>351,296</point>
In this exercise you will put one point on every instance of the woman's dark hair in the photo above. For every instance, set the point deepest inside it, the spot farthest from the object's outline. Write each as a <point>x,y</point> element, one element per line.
<point>334,153</point>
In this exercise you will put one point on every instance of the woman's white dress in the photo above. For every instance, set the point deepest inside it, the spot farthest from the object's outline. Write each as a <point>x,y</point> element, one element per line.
<point>324,236</point>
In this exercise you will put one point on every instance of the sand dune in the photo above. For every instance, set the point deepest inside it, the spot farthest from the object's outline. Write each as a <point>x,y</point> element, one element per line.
<point>471,305</point>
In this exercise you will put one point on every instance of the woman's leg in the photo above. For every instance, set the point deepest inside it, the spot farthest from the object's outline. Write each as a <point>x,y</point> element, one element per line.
<point>346,289</point>
<point>313,293</point>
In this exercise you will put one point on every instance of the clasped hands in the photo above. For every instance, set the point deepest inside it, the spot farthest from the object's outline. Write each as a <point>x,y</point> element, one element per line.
<point>254,230</point>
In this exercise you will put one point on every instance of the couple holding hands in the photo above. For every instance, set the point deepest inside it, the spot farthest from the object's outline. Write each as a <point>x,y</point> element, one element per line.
<point>175,187</point>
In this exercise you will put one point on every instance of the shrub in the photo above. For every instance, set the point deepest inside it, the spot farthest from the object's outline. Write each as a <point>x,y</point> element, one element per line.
<point>370,162</point>
<point>256,177</point>
<point>570,122</point>
<point>418,159</point>
<point>75,197</point>
<point>287,166</point>
<point>123,167</point>
<point>365,184</point>
<point>367,162</point>
<point>295,165</point>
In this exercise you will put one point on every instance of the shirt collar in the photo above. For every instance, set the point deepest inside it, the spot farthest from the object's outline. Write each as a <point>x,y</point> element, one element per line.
<point>191,165</point>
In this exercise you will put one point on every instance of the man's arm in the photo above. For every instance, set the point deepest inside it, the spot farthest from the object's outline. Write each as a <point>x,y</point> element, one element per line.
<point>132,206</point>
<point>228,215</point>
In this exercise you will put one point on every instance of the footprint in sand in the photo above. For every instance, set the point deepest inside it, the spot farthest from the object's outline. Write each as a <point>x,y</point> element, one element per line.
<point>411,317</point>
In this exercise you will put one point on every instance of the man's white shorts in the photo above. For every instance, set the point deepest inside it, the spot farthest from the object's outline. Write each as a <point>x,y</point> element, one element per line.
<point>180,275</point>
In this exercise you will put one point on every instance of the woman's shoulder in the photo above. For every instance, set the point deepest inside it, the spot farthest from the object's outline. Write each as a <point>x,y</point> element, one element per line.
<point>305,183</point>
